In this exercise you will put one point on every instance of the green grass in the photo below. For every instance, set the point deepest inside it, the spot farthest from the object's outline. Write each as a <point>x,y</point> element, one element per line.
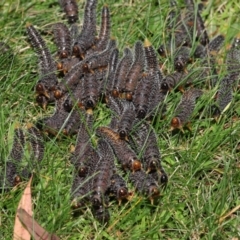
<point>203,165</point>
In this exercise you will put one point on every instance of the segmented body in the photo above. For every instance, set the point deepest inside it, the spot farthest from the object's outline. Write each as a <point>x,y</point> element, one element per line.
<point>37,143</point>
<point>62,39</point>
<point>70,8</point>
<point>112,66</point>
<point>104,33</point>
<point>185,108</point>
<point>126,120</point>
<point>135,71</point>
<point>141,96</point>
<point>13,172</point>
<point>90,94</point>
<point>118,187</point>
<point>86,38</point>
<point>104,172</point>
<point>121,72</point>
<point>124,153</point>
<point>145,184</point>
<point>48,79</point>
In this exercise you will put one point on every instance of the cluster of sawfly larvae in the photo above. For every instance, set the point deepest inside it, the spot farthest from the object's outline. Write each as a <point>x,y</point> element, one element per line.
<point>133,87</point>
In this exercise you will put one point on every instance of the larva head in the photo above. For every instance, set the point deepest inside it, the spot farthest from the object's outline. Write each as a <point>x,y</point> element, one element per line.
<point>102,214</point>
<point>179,64</point>
<point>164,178</point>
<point>134,165</point>
<point>77,51</point>
<point>63,54</point>
<point>129,96</point>
<point>164,87</point>
<point>82,171</point>
<point>153,165</point>
<point>85,67</point>
<point>141,113</point>
<point>58,94</point>
<point>42,101</point>
<point>122,134</point>
<point>40,88</point>
<point>59,66</point>
<point>97,199</point>
<point>115,93</point>
<point>67,106</point>
<point>176,123</point>
<point>90,103</point>
<point>161,50</point>
<point>122,193</point>
<point>17,180</point>
<point>153,191</point>
<point>76,204</point>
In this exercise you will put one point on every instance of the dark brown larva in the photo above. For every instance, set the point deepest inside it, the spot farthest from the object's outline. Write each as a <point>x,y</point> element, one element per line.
<point>37,143</point>
<point>83,143</point>
<point>99,60</point>
<point>141,97</point>
<point>48,79</point>
<point>182,58</point>
<point>152,65</point>
<point>62,39</point>
<point>101,214</point>
<point>104,172</point>
<point>13,173</point>
<point>72,123</point>
<point>172,80</point>
<point>104,33</point>
<point>135,71</point>
<point>233,60</point>
<point>66,64</point>
<point>201,31</point>
<point>55,122</point>
<point>90,94</point>
<point>185,108</point>
<point>70,8</point>
<point>145,184</point>
<point>121,72</point>
<point>118,188</point>
<point>112,65</point>
<point>224,95</point>
<point>126,120</point>
<point>86,38</point>
<point>124,153</point>
<point>72,78</point>
<point>80,191</point>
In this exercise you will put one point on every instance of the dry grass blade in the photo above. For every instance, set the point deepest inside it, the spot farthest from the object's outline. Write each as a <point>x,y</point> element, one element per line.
<point>19,232</point>
<point>38,232</point>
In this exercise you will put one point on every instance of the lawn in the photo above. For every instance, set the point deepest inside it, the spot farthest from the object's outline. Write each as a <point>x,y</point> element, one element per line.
<point>203,164</point>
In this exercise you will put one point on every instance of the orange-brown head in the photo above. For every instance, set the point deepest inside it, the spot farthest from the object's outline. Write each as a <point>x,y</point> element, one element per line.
<point>176,123</point>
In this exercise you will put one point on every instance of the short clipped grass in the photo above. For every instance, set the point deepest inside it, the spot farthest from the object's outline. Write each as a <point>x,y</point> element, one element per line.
<point>203,165</point>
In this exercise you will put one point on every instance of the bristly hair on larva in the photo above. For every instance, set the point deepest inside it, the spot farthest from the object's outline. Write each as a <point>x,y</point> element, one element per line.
<point>233,60</point>
<point>224,95</point>
<point>121,72</point>
<point>136,70</point>
<point>185,108</point>
<point>48,79</point>
<point>99,60</point>
<point>141,96</point>
<point>87,37</point>
<point>182,58</point>
<point>37,143</point>
<point>70,7</point>
<point>118,188</point>
<point>62,39</point>
<point>13,171</point>
<point>112,66</point>
<point>104,33</point>
<point>145,184</point>
<point>126,120</point>
<point>90,94</point>
<point>104,172</point>
<point>126,156</point>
